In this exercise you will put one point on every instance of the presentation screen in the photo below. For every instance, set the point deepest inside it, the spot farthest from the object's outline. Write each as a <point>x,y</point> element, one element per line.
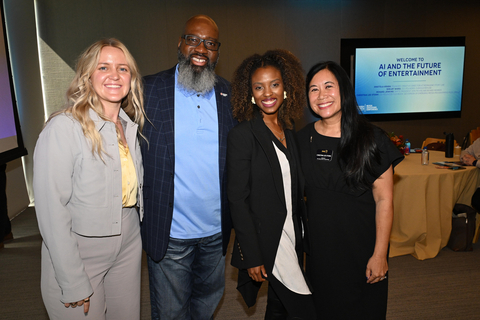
<point>406,78</point>
<point>11,143</point>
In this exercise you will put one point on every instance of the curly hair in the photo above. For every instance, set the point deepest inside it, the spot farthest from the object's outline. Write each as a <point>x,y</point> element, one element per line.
<point>81,96</point>
<point>293,83</point>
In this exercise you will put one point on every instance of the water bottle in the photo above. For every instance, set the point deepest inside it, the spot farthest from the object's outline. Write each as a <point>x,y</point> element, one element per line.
<point>425,156</point>
<point>407,147</point>
<point>449,145</point>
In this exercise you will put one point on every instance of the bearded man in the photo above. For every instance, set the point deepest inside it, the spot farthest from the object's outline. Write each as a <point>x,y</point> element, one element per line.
<point>186,226</point>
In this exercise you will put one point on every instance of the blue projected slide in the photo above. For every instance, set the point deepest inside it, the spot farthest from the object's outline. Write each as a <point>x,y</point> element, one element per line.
<point>7,121</point>
<point>11,142</point>
<point>409,80</point>
<point>8,131</point>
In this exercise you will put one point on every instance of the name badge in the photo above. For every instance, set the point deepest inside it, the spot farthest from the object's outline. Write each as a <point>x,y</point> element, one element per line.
<point>324,155</point>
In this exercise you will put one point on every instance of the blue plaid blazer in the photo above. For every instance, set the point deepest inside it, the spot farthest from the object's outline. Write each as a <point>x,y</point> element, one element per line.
<point>159,159</point>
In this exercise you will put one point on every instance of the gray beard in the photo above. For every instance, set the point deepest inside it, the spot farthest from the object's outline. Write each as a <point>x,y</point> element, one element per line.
<point>193,78</point>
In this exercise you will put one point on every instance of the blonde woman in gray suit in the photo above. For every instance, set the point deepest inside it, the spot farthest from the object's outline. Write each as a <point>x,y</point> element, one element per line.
<point>88,177</point>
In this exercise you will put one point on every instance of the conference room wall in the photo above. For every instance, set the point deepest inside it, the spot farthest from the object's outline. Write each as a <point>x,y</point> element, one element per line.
<point>311,29</point>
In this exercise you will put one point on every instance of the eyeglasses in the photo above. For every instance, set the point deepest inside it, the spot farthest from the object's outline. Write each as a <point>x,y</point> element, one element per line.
<point>195,41</point>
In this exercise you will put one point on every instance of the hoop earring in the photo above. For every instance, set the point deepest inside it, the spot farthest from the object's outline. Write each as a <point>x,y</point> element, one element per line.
<point>253,100</point>
<point>284,94</point>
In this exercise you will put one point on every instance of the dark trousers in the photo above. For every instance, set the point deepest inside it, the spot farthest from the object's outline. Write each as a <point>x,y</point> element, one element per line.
<point>5,226</point>
<point>283,304</point>
<point>476,200</point>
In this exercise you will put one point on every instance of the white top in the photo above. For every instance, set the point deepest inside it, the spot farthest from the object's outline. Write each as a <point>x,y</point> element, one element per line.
<point>286,268</point>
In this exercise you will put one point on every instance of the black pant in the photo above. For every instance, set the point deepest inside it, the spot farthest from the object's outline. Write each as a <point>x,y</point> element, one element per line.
<point>5,226</point>
<point>476,200</point>
<point>287,305</point>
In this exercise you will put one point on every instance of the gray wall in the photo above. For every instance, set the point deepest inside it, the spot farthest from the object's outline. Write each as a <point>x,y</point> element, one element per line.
<point>311,29</point>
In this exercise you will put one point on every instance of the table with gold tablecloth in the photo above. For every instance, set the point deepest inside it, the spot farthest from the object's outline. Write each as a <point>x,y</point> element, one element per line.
<point>424,197</point>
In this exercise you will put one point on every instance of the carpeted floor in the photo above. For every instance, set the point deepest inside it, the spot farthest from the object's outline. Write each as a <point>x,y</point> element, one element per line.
<point>446,287</point>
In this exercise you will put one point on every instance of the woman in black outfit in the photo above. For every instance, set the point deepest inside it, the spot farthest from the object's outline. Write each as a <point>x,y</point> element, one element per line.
<point>265,184</point>
<point>348,165</point>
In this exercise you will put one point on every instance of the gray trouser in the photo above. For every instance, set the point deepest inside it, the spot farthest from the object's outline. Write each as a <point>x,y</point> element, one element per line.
<point>113,265</point>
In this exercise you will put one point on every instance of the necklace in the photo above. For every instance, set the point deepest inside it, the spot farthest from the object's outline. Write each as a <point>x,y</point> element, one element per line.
<point>281,133</point>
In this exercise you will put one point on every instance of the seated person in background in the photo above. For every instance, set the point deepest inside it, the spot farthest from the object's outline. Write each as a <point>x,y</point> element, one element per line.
<point>469,157</point>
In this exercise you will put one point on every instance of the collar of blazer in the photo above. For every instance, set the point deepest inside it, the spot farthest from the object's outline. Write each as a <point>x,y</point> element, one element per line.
<point>263,136</point>
<point>100,123</point>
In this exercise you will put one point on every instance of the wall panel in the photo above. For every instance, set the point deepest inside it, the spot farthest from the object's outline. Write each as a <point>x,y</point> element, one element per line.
<point>311,29</point>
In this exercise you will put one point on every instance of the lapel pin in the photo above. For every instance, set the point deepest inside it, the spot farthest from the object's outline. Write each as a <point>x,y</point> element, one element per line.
<point>223,94</point>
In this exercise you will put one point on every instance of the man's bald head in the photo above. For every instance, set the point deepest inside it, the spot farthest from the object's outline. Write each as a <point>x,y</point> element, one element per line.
<point>198,58</point>
<point>200,19</point>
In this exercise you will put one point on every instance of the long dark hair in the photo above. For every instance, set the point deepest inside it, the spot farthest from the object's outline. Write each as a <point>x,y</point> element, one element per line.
<point>358,151</point>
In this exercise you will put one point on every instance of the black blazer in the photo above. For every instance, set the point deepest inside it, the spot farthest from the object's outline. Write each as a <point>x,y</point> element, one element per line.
<point>257,200</point>
<point>159,159</point>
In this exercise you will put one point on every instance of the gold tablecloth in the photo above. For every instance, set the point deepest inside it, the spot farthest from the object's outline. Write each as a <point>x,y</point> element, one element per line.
<point>424,197</point>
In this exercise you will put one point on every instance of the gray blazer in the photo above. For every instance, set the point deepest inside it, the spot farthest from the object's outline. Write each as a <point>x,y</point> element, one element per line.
<point>75,191</point>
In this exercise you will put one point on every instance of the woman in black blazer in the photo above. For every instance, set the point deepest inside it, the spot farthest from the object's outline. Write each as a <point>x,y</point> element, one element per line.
<point>265,184</point>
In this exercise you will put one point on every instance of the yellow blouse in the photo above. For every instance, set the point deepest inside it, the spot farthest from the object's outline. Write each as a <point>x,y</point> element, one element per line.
<point>129,177</point>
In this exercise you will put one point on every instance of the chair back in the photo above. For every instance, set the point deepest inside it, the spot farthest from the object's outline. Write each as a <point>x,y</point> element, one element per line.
<point>428,141</point>
<point>474,135</point>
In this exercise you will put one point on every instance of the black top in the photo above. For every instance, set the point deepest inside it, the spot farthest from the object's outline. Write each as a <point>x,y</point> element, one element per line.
<point>341,228</point>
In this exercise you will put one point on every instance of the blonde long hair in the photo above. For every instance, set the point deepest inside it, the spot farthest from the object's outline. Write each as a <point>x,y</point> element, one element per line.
<point>81,97</point>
